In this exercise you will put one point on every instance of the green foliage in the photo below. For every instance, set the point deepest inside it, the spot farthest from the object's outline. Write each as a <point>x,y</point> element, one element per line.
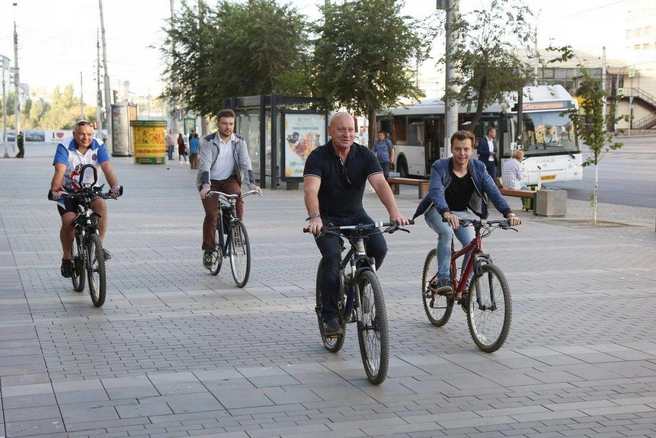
<point>234,49</point>
<point>364,54</point>
<point>485,54</point>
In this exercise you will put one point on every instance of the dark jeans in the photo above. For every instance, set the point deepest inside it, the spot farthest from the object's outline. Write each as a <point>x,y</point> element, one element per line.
<point>385,167</point>
<point>376,247</point>
<point>169,151</point>
<point>211,206</point>
<point>491,167</point>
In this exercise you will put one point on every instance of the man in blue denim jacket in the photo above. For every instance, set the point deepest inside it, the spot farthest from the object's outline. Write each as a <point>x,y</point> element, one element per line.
<point>459,189</point>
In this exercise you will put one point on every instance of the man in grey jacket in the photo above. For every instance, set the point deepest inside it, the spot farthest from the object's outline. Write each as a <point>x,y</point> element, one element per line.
<point>224,163</point>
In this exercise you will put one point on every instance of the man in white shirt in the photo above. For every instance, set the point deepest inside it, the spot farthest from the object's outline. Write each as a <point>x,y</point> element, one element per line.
<point>487,151</point>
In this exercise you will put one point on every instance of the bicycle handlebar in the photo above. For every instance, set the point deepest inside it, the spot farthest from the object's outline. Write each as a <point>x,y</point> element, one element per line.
<point>231,196</point>
<point>95,191</point>
<point>336,229</point>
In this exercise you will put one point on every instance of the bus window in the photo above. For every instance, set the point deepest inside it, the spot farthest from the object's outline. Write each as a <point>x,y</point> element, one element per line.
<point>548,132</point>
<point>416,133</point>
<point>400,134</point>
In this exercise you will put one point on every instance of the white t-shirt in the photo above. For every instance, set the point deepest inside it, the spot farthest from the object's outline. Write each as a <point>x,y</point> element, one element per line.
<point>490,144</point>
<point>225,162</point>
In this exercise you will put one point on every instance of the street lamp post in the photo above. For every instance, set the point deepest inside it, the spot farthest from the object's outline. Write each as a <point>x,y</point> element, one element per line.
<point>16,85</point>
<point>5,66</point>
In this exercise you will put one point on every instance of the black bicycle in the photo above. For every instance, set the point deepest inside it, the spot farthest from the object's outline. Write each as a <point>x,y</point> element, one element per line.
<point>87,253</point>
<point>361,299</point>
<point>231,239</point>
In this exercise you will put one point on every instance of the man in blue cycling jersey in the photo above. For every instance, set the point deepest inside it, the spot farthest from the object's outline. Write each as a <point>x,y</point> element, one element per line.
<point>71,155</point>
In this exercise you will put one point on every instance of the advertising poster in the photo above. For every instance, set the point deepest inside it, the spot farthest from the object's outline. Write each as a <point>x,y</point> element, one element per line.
<point>149,141</point>
<point>120,130</point>
<point>304,132</point>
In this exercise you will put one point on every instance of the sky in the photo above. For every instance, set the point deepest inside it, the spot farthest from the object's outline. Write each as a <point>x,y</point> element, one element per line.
<point>57,38</point>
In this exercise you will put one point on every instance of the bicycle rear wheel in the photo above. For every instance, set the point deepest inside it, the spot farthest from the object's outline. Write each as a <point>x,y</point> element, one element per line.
<point>438,308</point>
<point>489,309</point>
<point>373,333</point>
<point>79,274</point>
<point>95,264</point>
<point>217,255</point>
<point>332,343</point>
<point>240,254</point>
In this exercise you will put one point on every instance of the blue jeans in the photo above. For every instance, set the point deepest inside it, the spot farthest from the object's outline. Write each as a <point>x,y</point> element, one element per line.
<point>445,236</point>
<point>375,245</point>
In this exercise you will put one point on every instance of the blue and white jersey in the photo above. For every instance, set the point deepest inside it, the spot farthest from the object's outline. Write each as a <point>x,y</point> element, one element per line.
<point>68,155</point>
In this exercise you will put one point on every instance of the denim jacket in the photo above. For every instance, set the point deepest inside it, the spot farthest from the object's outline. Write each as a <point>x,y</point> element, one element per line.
<point>484,187</point>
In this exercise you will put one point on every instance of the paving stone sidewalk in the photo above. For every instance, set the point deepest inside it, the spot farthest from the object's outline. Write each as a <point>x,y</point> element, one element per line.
<point>177,352</point>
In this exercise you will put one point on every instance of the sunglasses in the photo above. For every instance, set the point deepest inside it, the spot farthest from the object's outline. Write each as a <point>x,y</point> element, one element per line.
<point>343,177</point>
<point>83,123</point>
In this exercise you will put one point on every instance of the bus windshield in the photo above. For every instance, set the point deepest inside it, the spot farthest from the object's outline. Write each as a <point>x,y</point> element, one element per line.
<point>548,132</point>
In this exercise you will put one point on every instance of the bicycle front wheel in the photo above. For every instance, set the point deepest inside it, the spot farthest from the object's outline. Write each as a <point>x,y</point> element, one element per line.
<point>217,255</point>
<point>95,264</point>
<point>438,308</point>
<point>240,254</point>
<point>79,274</point>
<point>373,333</point>
<point>489,309</point>
<point>332,343</point>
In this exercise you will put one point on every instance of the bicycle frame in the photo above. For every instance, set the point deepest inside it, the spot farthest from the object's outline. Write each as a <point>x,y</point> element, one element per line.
<point>473,250</point>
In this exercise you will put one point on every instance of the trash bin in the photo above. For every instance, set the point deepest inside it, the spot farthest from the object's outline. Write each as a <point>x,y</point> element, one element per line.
<point>551,202</point>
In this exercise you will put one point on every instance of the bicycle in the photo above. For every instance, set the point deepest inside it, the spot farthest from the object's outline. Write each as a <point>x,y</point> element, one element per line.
<point>485,298</point>
<point>361,299</point>
<point>231,238</point>
<point>87,252</point>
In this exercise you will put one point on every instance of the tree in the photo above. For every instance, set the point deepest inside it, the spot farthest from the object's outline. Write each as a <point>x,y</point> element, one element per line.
<point>590,125</point>
<point>485,55</point>
<point>258,47</point>
<point>363,56</point>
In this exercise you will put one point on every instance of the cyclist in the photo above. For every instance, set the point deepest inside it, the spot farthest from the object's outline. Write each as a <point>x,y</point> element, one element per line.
<point>224,162</point>
<point>71,155</point>
<point>334,180</point>
<point>459,189</point>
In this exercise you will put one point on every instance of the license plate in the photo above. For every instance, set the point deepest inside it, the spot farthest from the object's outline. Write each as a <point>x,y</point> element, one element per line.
<point>547,177</point>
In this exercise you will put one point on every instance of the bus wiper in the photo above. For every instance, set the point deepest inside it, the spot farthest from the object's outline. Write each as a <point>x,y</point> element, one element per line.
<point>559,146</point>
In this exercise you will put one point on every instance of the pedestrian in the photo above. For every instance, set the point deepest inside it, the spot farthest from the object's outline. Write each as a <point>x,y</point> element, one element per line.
<point>20,142</point>
<point>487,151</point>
<point>182,149</point>
<point>170,142</point>
<point>334,180</point>
<point>194,145</point>
<point>224,164</point>
<point>511,175</point>
<point>384,150</point>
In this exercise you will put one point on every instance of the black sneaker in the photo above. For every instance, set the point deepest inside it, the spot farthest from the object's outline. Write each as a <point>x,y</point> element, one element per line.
<point>332,327</point>
<point>106,254</point>
<point>67,268</point>
<point>207,260</point>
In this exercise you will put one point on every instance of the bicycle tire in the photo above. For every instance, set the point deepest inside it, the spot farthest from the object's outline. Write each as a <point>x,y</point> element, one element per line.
<point>95,265</point>
<point>373,332</point>
<point>489,326</point>
<point>240,254</point>
<point>78,276</point>
<point>438,308</point>
<point>217,255</point>
<point>332,343</point>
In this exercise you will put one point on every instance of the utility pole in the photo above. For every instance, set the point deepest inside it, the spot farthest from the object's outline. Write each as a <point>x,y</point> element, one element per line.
<point>173,107</point>
<point>16,86</point>
<point>108,102</point>
<point>98,92</point>
<point>450,103</point>
<point>81,99</point>
<point>603,86</point>
<point>5,66</point>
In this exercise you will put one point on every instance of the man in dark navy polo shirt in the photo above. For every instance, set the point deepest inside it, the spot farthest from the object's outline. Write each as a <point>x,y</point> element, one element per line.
<point>334,180</point>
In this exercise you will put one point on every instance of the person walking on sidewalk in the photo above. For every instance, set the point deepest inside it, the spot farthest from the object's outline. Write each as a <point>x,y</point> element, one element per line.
<point>182,149</point>
<point>20,142</point>
<point>194,146</point>
<point>224,163</point>
<point>170,143</point>
<point>334,179</point>
<point>71,155</point>
<point>459,189</point>
<point>487,152</point>
<point>384,150</point>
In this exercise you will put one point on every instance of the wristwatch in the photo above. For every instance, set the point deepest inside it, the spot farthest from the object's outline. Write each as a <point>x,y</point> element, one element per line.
<point>510,215</point>
<point>312,215</point>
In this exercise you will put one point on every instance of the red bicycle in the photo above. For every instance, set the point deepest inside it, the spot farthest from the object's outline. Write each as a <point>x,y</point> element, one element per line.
<point>485,297</point>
